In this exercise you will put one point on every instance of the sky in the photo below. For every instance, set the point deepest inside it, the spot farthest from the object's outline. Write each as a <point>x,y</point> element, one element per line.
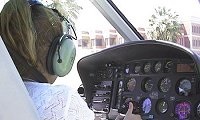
<point>143,9</point>
<point>89,17</point>
<point>138,12</point>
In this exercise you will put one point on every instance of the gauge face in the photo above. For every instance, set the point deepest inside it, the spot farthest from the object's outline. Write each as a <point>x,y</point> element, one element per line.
<point>148,85</point>
<point>168,66</point>
<point>147,67</point>
<point>182,110</point>
<point>162,106</point>
<point>137,68</point>
<point>165,85</point>
<point>184,87</point>
<point>158,67</point>
<point>198,110</point>
<point>146,105</point>
<point>131,84</point>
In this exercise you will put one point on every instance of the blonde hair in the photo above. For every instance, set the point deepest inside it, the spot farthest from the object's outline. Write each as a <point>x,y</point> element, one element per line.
<point>17,29</point>
<point>29,30</point>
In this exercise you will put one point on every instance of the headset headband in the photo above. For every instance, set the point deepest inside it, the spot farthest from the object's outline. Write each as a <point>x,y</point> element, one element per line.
<point>62,18</point>
<point>34,2</point>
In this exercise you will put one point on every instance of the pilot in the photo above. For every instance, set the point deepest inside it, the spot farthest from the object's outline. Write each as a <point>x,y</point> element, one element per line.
<point>29,30</point>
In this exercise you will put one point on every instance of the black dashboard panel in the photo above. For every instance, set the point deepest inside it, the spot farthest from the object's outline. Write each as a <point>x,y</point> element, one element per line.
<point>160,78</point>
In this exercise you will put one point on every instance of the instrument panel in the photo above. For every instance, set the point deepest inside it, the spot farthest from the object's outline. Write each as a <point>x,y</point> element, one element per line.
<point>159,86</point>
<point>155,85</point>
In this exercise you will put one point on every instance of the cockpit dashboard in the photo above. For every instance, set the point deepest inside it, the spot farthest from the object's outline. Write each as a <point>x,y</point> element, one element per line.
<point>160,78</point>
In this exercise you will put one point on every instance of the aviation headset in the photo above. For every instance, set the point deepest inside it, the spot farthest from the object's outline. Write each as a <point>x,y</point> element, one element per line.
<point>62,51</point>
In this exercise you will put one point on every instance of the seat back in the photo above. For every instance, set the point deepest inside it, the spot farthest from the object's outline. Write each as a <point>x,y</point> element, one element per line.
<point>15,103</point>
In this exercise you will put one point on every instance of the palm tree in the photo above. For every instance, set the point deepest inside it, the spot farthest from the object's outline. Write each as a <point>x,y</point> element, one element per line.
<point>164,24</point>
<point>68,8</point>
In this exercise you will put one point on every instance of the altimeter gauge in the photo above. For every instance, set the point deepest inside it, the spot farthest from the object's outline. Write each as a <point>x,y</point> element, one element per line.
<point>162,106</point>
<point>165,85</point>
<point>131,84</point>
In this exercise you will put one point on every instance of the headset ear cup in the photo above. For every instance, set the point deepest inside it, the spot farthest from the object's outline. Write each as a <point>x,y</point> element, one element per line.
<point>51,52</point>
<point>67,55</point>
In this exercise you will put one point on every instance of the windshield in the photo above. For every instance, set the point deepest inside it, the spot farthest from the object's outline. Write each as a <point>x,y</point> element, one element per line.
<point>175,21</point>
<point>141,11</point>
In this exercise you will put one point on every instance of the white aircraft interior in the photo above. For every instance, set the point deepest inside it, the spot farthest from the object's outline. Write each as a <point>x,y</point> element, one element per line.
<point>15,99</point>
<point>160,78</point>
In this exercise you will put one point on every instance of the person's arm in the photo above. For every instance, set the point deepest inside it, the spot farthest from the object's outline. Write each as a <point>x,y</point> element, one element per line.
<point>78,109</point>
<point>129,115</point>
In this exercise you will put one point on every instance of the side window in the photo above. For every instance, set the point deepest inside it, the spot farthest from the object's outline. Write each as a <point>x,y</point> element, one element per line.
<point>3,2</point>
<point>94,33</point>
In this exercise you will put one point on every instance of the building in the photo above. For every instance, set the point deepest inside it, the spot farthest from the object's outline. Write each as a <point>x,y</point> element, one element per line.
<point>190,38</point>
<point>184,38</point>
<point>99,39</point>
<point>84,40</point>
<point>143,32</point>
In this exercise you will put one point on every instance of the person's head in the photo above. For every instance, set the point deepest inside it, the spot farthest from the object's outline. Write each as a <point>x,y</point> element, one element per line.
<point>29,30</point>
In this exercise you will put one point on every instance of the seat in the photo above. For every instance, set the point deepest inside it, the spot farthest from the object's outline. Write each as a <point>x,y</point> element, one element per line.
<point>15,103</point>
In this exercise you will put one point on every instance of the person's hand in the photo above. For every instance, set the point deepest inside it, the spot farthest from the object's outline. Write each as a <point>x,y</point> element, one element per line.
<point>129,115</point>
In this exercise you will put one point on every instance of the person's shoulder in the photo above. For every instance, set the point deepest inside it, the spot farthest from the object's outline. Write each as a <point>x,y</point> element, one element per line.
<point>46,86</point>
<point>54,99</point>
<point>47,90</point>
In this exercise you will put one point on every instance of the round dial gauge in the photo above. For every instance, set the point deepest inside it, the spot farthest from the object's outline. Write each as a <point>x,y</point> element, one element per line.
<point>182,110</point>
<point>198,110</point>
<point>137,68</point>
<point>162,106</point>
<point>165,85</point>
<point>184,87</point>
<point>131,84</point>
<point>146,105</point>
<point>158,67</point>
<point>147,67</point>
<point>148,85</point>
<point>168,66</point>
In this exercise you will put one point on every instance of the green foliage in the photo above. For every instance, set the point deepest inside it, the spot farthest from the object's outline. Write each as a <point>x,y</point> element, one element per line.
<point>69,8</point>
<point>164,24</point>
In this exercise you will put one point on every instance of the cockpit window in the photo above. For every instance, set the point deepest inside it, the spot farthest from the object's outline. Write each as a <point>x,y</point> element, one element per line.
<point>175,20</point>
